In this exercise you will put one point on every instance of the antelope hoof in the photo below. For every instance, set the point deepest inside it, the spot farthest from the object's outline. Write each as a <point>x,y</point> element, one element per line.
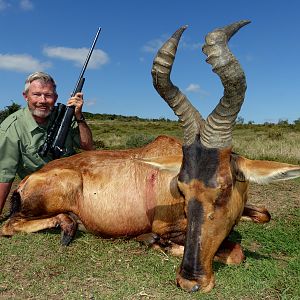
<point>5,235</point>
<point>230,253</point>
<point>148,239</point>
<point>7,230</point>
<point>68,236</point>
<point>256,214</point>
<point>68,233</point>
<point>66,239</point>
<point>194,285</point>
<point>187,285</point>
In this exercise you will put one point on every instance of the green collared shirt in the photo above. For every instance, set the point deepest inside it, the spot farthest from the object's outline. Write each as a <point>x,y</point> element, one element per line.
<point>20,140</point>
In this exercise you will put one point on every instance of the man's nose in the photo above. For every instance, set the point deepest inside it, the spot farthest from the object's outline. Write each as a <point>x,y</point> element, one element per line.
<point>43,98</point>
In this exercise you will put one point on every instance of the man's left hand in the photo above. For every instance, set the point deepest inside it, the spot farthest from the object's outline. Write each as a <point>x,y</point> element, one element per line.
<point>77,102</point>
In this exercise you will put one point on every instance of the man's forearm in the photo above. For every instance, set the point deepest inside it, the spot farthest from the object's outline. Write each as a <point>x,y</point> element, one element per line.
<point>4,191</point>
<point>86,137</point>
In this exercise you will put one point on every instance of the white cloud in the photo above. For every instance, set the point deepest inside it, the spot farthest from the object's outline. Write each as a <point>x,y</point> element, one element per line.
<point>21,63</point>
<point>26,5</point>
<point>193,88</point>
<point>153,45</point>
<point>78,56</point>
<point>89,102</point>
<point>4,5</point>
<point>191,46</point>
<point>249,58</point>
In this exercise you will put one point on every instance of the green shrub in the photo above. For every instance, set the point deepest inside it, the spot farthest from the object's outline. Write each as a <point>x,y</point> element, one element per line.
<point>99,144</point>
<point>275,133</point>
<point>139,140</point>
<point>8,111</point>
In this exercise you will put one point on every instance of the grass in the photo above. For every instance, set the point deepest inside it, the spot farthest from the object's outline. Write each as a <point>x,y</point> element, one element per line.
<point>35,266</point>
<point>270,142</point>
<point>120,134</point>
<point>93,268</point>
<point>280,143</point>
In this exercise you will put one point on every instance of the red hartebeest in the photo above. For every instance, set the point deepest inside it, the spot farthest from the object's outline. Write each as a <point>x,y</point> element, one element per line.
<point>164,193</point>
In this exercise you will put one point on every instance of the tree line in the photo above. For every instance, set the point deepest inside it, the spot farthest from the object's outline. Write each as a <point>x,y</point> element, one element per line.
<point>5,112</point>
<point>8,110</point>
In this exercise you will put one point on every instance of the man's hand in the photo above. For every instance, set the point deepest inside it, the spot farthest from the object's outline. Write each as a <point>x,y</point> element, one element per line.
<point>4,191</point>
<point>86,138</point>
<point>77,102</point>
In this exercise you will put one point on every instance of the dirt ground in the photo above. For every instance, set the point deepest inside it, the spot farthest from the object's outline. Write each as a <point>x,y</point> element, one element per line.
<point>276,197</point>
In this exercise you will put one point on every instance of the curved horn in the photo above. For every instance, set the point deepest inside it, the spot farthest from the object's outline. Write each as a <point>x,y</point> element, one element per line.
<point>161,70</point>
<point>217,132</point>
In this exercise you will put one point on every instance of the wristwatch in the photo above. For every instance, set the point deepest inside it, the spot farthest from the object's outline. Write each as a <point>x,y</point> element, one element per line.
<point>81,119</point>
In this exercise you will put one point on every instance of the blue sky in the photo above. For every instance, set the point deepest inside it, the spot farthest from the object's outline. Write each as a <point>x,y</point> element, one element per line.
<point>54,36</point>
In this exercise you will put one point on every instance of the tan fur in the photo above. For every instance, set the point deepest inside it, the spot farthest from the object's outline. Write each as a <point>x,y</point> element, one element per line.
<point>133,192</point>
<point>27,226</point>
<point>129,192</point>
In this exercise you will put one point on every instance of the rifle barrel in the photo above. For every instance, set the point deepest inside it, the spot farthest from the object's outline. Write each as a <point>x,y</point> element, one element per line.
<point>57,131</point>
<point>86,61</point>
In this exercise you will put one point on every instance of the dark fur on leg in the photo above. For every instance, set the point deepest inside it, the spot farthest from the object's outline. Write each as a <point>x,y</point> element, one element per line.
<point>148,239</point>
<point>69,228</point>
<point>67,237</point>
<point>15,203</point>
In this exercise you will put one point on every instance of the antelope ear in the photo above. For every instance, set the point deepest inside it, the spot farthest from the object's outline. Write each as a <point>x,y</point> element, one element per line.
<point>169,163</point>
<point>264,171</point>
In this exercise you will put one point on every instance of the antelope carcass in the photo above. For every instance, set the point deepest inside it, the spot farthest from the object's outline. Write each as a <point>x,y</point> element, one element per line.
<point>184,197</point>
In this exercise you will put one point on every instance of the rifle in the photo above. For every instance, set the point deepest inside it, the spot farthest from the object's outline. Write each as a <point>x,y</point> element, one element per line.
<point>58,130</point>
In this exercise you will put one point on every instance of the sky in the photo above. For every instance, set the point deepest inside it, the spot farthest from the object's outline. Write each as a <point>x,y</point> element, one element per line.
<point>54,37</point>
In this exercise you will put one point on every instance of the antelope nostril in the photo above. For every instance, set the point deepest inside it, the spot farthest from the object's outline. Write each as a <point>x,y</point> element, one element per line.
<point>195,288</point>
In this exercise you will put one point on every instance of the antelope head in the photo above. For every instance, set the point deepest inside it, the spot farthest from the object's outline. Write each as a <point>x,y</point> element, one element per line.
<point>212,179</point>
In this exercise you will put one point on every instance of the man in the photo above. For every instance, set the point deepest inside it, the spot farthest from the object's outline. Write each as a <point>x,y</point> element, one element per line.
<point>23,132</point>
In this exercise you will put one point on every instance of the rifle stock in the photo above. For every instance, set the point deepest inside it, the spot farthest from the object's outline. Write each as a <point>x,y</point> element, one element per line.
<point>57,148</point>
<point>53,128</point>
<point>58,130</point>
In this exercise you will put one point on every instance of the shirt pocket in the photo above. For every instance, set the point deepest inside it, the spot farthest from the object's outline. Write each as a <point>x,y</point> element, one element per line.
<point>31,161</point>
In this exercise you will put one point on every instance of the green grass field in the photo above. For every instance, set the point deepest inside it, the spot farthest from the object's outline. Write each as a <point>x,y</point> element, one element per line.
<point>36,266</point>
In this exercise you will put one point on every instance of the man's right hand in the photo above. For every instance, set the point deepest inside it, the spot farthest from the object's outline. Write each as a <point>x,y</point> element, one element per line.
<point>4,191</point>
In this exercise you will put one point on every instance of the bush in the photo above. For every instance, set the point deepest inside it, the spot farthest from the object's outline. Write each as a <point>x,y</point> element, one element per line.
<point>275,133</point>
<point>139,140</point>
<point>99,144</point>
<point>8,111</point>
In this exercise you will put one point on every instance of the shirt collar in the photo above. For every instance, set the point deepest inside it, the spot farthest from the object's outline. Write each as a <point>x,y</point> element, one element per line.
<point>31,123</point>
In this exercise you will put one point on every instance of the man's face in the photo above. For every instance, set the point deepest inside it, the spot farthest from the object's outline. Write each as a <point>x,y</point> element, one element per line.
<point>41,99</point>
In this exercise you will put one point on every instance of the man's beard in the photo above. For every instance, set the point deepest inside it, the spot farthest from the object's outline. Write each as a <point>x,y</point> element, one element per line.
<point>41,113</point>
